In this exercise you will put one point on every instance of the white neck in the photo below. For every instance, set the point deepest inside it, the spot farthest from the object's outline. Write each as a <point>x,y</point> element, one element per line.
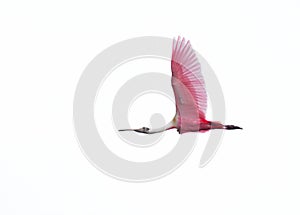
<point>168,126</point>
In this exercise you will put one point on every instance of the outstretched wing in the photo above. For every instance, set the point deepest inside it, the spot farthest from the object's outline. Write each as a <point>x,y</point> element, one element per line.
<point>187,82</point>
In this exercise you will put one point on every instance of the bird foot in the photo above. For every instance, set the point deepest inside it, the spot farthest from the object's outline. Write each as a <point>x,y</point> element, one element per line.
<point>232,127</point>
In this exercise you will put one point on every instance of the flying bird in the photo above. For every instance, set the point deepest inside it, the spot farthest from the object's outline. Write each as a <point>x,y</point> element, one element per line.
<point>190,94</point>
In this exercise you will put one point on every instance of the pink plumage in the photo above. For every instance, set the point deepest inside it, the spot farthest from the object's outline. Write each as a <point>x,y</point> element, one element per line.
<point>190,94</point>
<point>188,86</point>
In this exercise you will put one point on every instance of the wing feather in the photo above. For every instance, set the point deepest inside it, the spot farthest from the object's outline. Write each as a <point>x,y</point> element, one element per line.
<point>187,81</point>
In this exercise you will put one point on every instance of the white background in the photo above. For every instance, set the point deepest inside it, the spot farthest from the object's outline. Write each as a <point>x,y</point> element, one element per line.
<point>253,47</point>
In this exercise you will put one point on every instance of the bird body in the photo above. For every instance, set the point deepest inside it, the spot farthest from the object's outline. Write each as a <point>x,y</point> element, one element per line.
<point>190,94</point>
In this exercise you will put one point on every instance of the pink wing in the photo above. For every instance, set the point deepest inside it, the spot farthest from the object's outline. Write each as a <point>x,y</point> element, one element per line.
<point>188,84</point>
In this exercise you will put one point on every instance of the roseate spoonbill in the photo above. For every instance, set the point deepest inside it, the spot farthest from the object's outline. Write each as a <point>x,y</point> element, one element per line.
<point>190,94</point>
